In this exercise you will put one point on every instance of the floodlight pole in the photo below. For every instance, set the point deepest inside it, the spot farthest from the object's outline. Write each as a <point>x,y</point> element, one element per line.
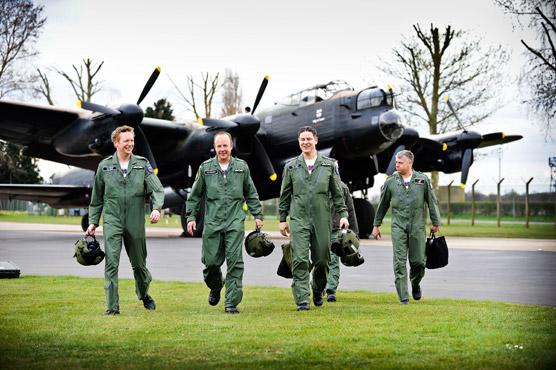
<point>527,202</point>
<point>498,202</point>
<point>473,208</point>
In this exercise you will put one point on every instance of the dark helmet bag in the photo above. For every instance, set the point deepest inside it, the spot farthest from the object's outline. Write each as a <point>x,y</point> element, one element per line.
<point>88,251</point>
<point>258,244</point>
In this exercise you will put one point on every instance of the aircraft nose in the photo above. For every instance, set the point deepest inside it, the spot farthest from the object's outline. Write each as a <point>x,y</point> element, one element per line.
<point>390,124</point>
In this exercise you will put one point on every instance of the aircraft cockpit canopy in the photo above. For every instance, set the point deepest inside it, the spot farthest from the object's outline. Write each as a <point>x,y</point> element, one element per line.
<point>315,94</point>
<point>373,97</point>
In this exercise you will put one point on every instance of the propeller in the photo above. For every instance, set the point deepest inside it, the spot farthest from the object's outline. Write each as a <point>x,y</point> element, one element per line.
<point>466,162</point>
<point>130,114</point>
<point>245,127</point>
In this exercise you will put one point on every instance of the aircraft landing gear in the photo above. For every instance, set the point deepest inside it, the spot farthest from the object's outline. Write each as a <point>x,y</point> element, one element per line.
<point>365,214</point>
<point>85,222</point>
<point>200,221</point>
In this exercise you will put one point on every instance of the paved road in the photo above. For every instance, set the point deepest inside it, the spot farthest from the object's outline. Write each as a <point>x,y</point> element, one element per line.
<point>522,271</point>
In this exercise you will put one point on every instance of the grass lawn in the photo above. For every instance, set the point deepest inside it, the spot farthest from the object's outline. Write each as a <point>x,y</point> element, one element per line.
<point>56,322</point>
<point>488,229</point>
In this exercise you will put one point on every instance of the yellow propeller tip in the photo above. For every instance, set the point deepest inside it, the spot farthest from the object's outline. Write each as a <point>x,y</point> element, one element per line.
<point>444,147</point>
<point>200,121</point>
<point>79,104</point>
<point>158,68</point>
<point>503,135</point>
<point>389,87</point>
<point>273,177</point>
<point>267,77</point>
<point>155,171</point>
<point>462,185</point>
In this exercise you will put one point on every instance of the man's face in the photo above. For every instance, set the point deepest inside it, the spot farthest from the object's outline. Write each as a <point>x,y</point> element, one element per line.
<point>125,143</point>
<point>307,142</point>
<point>223,148</point>
<point>403,165</point>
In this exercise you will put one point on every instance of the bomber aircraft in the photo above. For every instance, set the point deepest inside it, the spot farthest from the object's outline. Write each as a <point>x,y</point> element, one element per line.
<point>360,129</point>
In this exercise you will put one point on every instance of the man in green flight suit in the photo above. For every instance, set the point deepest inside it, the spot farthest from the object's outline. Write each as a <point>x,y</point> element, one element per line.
<point>226,183</point>
<point>334,263</point>
<point>407,191</point>
<point>309,182</point>
<point>123,182</point>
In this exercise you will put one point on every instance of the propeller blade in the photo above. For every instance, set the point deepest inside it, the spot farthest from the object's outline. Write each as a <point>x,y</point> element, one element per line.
<point>466,162</point>
<point>260,93</point>
<point>144,149</point>
<point>455,114</point>
<point>262,155</point>
<point>96,108</point>
<point>149,85</point>
<point>218,123</point>
<point>498,138</point>
<point>392,165</point>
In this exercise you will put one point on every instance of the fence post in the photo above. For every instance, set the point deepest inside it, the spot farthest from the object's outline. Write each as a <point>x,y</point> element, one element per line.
<point>527,202</point>
<point>450,201</point>
<point>473,209</point>
<point>498,208</point>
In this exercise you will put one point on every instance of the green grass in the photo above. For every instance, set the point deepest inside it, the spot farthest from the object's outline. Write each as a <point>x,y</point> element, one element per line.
<point>507,230</point>
<point>55,322</point>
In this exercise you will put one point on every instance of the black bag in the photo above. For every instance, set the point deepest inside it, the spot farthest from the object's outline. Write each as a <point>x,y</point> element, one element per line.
<point>437,252</point>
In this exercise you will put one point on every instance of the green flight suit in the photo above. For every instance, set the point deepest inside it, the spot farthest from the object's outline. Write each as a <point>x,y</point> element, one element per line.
<point>408,225</point>
<point>224,228</point>
<point>334,263</point>
<point>306,198</point>
<point>123,201</point>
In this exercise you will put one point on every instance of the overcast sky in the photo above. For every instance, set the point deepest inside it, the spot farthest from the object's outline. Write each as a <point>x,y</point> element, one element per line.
<point>298,43</point>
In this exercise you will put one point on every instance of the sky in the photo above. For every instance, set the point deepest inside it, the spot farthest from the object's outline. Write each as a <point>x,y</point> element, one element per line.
<point>298,43</point>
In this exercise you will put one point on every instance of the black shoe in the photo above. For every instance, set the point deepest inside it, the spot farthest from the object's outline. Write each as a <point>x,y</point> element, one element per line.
<point>331,297</point>
<point>303,307</point>
<point>148,302</point>
<point>231,309</point>
<point>214,297</point>
<point>317,298</point>
<point>416,292</point>
<point>111,312</point>
<point>404,301</point>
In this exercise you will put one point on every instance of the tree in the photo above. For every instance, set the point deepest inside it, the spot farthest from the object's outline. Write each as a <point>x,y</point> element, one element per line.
<point>432,65</point>
<point>162,109</point>
<point>208,89</point>
<point>84,86</point>
<point>16,167</point>
<point>20,26</point>
<point>231,96</point>
<point>540,73</point>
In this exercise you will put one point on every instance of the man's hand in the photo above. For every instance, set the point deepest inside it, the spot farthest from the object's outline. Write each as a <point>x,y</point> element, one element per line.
<point>91,229</point>
<point>259,223</point>
<point>435,229</point>
<point>376,232</point>
<point>344,223</point>
<point>191,226</point>
<point>284,229</point>
<point>155,216</point>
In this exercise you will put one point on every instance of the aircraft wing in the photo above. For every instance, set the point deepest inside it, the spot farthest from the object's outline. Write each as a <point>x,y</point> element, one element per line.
<point>57,196</point>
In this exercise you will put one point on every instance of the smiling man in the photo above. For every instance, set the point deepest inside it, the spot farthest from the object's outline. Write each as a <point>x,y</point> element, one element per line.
<point>308,183</point>
<point>407,191</point>
<point>226,183</point>
<point>123,182</point>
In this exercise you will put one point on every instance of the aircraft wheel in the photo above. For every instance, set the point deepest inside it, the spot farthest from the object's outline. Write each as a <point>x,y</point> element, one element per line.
<point>365,217</point>
<point>85,222</point>
<point>200,221</point>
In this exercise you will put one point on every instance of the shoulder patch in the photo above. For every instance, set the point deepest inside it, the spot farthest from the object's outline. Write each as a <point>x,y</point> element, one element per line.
<point>149,167</point>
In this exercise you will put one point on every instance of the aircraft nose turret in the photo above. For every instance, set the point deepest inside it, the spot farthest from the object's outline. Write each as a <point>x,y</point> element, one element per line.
<point>390,125</point>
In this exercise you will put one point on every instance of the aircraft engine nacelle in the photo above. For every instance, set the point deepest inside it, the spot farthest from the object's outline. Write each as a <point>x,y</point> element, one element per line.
<point>83,138</point>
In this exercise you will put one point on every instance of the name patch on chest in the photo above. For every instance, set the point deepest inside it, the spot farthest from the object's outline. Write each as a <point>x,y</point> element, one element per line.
<point>108,169</point>
<point>294,166</point>
<point>420,181</point>
<point>239,170</point>
<point>211,172</point>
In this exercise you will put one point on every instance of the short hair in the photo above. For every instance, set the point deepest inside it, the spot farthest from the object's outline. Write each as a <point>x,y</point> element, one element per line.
<point>220,133</point>
<point>310,129</point>
<point>405,153</point>
<point>116,133</point>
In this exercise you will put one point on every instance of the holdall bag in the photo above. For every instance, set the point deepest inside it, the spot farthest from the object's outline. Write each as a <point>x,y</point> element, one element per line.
<point>436,251</point>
